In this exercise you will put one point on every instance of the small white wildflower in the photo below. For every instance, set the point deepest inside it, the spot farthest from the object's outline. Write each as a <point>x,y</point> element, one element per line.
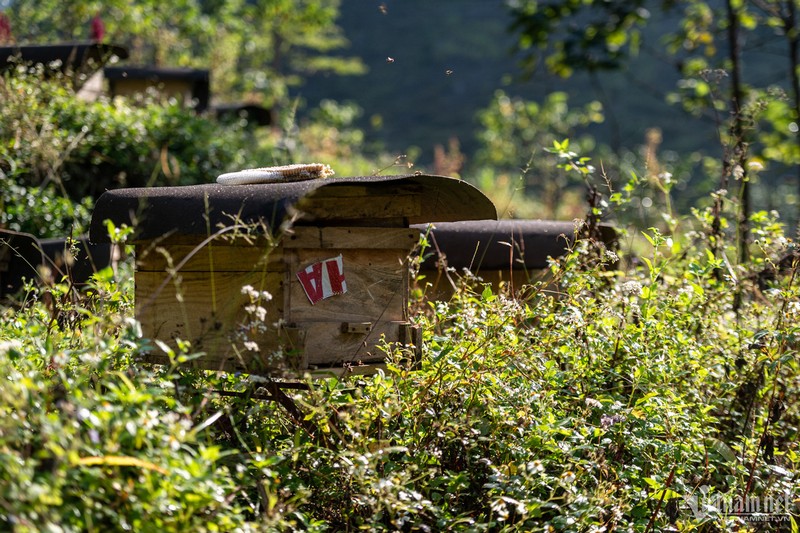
<point>607,421</point>
<point>738,172</point>
<point>535,466</point>
<point>259,312</point>
<point>9,345</point>
<point>571,315</point>
<point>89,359</point>
<point>568,477</point>
<point>255,295</point>
<point>254,378</point>
<point>631,288</point>
<point>151,419</point>
<point>773,293</point>
<point>61,359</point>
<point>755,166</point>
<point>591,402</point>
<point>686,291</point>
<point>251,346</point>
<point>611,257</point>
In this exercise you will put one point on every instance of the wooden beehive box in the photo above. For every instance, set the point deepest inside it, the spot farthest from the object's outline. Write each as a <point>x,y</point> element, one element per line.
<point>188,84</point>
<point>332,254</point>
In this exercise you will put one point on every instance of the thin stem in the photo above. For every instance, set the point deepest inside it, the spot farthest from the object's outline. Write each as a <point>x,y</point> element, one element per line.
<point>737,129</point>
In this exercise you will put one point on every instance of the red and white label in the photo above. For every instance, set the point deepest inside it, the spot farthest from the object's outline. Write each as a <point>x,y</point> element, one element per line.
<point>324,279</point>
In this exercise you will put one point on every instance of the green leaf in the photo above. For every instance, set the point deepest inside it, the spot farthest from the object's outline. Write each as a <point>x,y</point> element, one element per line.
<point>487,295</point>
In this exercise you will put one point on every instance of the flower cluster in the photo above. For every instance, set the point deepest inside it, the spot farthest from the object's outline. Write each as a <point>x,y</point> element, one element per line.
<point>256,316</point>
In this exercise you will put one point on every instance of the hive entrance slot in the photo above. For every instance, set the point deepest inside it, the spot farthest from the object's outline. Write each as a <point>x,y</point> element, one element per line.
<point>356,327</point>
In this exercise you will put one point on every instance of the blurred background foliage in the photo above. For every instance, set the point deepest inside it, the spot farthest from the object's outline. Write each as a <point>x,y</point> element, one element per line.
<point>256,49</point>
<point>595,400</point>
<point>644,87</point>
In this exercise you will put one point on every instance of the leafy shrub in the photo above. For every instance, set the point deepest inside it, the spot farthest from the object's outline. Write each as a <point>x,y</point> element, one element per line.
<point>512,136</point>
<point>609,396</point>
<point>50,136</point>
<point>43,211</point>
<point>65,151</point>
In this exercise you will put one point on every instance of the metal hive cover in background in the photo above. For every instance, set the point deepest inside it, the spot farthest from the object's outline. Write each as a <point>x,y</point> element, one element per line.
<point>67,56</point>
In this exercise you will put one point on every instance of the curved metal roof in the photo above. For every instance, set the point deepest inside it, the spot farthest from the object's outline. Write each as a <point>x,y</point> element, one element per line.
<point>483,245</point>
<point>190,210</point>
<point>70,55</point>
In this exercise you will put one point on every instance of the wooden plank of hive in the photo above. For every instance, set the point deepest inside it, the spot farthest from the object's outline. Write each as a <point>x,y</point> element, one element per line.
<point>350,203</point>
<point>326,345</point>
<point>203,302</point>
<point>376,273</point>
<point>333,238</point>
<point>218,256</point>
<point>377,286</point>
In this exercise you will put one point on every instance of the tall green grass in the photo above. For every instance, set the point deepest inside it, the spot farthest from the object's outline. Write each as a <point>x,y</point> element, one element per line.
<point>601,399</point>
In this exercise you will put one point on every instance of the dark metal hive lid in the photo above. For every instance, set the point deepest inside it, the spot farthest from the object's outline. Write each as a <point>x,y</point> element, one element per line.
<point>193,209</point>
<point>483,245</point>
<point>70,55</point>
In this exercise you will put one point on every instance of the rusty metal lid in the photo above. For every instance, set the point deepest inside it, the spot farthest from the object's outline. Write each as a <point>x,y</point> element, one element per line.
<point>20,256</point>
<point>381,200</point>
<point>483,245</point>
<point>68,55</point>
<point>156,74</point>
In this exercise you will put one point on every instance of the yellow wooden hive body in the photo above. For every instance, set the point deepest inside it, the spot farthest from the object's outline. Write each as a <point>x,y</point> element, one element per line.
<point>201,277</point>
